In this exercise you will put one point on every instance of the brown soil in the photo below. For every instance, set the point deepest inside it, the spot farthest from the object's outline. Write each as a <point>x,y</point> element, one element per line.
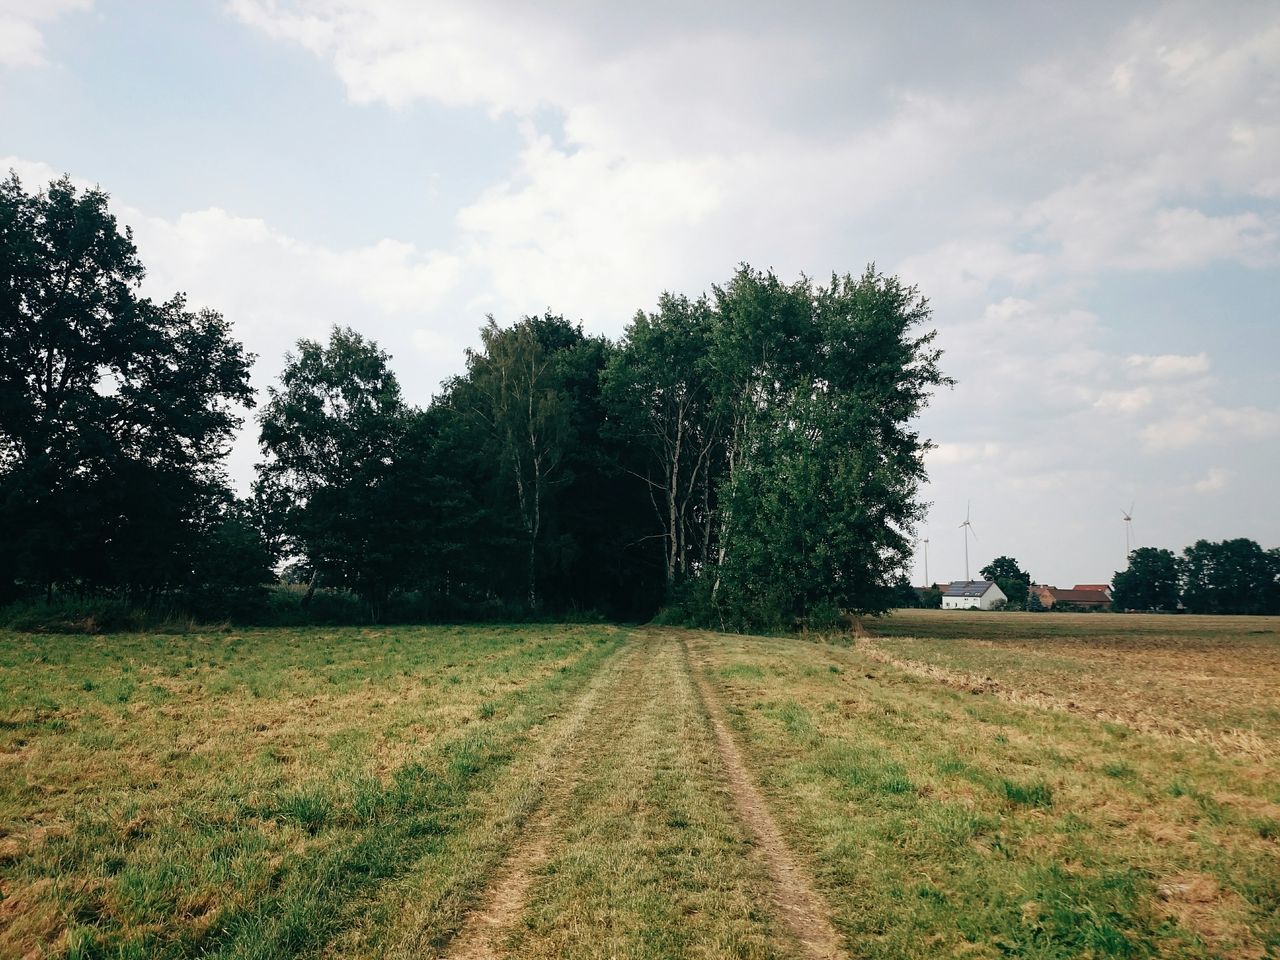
<point>794,896</point>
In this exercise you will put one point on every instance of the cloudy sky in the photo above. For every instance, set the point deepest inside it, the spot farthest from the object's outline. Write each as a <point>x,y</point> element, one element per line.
<point>1089,195</point>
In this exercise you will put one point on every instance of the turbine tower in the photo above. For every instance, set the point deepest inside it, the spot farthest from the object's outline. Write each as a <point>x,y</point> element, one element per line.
<point>925,541</point>
<point>967,526</point>
<point>1128,530</point>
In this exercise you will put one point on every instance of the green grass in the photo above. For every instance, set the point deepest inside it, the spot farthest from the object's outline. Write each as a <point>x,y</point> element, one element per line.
<point>233,795</point>
<point>940,822</point>
<point>978,785</point>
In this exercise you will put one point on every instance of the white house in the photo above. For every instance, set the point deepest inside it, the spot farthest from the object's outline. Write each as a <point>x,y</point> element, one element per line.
<point>972,594</point>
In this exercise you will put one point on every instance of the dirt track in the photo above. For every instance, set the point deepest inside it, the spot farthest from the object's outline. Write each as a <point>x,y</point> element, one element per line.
<point>645,678</point>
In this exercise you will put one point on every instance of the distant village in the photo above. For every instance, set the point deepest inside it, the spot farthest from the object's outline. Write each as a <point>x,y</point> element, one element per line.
<point>987,595</point>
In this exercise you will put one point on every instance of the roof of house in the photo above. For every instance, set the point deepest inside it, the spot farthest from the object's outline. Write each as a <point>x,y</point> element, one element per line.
<point>1093,586</point>
<point>969,588</point>
<point>1079,596</point>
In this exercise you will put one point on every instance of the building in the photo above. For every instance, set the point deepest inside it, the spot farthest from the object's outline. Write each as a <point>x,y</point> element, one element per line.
<point>1084,596</point>
<point>972,595</point>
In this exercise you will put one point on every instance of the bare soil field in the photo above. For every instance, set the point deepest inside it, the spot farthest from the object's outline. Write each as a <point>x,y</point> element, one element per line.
<point>949,784</point>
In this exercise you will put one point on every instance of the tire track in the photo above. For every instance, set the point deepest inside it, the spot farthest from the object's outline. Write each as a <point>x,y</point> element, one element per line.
<point>795,898</point>
<point>486,925</point>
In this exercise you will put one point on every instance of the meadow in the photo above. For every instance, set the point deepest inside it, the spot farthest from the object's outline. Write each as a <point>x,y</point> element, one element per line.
<point>943,784</point>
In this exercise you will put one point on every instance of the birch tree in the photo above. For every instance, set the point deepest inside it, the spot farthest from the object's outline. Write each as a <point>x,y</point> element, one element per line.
<point>658,393</point>
<point>515,397</point>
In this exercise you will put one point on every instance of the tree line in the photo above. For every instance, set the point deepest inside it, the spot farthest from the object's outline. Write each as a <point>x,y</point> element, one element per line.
<point>1224,577</point>
<point>745,458</point>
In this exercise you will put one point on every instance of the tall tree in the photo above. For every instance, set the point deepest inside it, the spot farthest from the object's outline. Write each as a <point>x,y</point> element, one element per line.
<point>1150,582</point>
<point>821,494</point>
<point>115,411</point>
<point>329,434</point>
<point>660,397</point>
<point>1013,581</point>
<point>513,394</point>
<point>1231,576</point>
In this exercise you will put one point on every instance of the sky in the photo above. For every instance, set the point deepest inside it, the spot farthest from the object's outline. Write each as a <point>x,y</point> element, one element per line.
<point>1089,196</point>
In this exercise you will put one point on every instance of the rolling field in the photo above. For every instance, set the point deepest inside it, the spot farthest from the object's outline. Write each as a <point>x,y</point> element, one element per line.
<point>951,784</point>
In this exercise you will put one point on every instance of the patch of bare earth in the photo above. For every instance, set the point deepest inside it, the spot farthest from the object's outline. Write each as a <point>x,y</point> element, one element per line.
<point>795,898</point>
<point>557,770</point>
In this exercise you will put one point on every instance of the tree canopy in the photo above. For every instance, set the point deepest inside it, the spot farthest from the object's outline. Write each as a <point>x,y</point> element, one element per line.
<point>115,410</point>
<point>1010,578</point>
<point>746,456</point>
<point>1149,583</point>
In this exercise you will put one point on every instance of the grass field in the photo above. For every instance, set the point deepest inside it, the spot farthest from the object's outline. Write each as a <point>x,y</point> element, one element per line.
<point>951,784</point>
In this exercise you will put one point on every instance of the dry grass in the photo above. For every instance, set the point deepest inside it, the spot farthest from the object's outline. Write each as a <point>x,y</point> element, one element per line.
<point>954,805</point>
<point>1214,680</point>
<point>233,795</point>
<point>954,785</point>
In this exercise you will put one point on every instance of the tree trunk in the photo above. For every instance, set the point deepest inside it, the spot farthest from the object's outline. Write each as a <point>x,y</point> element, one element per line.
<point>311,589</point>
<point>533,569</point>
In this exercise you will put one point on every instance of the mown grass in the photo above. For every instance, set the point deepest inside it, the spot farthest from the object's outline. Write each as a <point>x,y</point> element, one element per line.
<point>649,860</point>
<point>238,795</point>
<point>1154,673</point>
<point>944,822</point>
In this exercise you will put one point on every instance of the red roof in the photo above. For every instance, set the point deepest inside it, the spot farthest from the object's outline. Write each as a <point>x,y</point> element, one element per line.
<point>1079,596</point>
<point>1093,586</point>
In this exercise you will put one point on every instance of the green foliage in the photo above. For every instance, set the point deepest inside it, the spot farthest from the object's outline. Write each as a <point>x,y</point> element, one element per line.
<point>115,410</point>
<point>331,433</point>
<point>659,389</point>
<point>746,455</point>
<point>932,599</point>
<point>1009,577</point>
<point>775,421</point>
<point>1151,581</point>
<point>1232,576</point>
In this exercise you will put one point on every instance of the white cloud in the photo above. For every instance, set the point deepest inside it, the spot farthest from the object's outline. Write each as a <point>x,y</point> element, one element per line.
<point>1166,365</point>
<point>571,219</point>
<point>1194,426</point>
<point>1124,401</point>
<point>35,175</point>
<point>276,288</point>
<point>963,269</point>
<point>948,453</point>
<point>687,150</point>
<point>1214,482</point>
<point>21,39</point>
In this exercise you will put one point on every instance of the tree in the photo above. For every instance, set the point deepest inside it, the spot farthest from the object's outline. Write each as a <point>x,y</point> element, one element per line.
<point>115,411</point>
<point>816,388</point>
<point>1010,578</point>
<point>329,435</point>
<point>774,421</point>
<point>1232,576</point>
<point>1151,581</point>
<point>513,396</point>
<point>659,396</point>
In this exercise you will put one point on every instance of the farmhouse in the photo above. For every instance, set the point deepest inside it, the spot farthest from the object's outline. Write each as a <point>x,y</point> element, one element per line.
<point>1087,596</point>
<point>972,595</point>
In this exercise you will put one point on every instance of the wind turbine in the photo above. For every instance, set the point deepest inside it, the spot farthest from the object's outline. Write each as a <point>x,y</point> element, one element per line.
<point>968,529</point>
<point>925,541</point>
<point>1128,529</point>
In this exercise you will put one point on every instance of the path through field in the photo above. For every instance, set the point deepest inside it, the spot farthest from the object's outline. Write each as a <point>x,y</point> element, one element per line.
<point>650,840</point>
<point>975,787</point>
